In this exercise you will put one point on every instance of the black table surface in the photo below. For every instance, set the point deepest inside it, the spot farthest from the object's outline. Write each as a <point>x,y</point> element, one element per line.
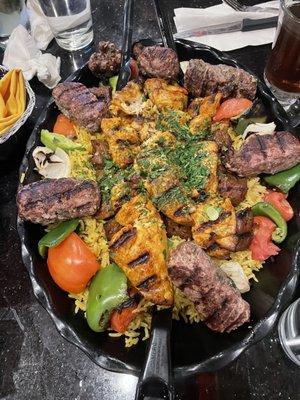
<point>35,361</point>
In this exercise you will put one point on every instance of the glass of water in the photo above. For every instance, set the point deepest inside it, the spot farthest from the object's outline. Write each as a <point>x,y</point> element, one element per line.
<point>289,331</point>
<point>12,13</point>
<point>70,22</point>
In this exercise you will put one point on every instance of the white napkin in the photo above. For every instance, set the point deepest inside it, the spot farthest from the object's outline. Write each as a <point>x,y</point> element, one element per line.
<point>40,28</point>
<point>22,52</point>
<point>189,18</point>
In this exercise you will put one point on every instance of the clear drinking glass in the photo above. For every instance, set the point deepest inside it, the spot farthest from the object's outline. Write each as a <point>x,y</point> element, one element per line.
<point>289,331</point>
<point>282,73</point>
<point>12,13</point>
<point>70,22</point>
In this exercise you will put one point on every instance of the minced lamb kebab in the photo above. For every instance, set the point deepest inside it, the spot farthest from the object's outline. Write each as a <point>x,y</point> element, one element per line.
<point>208,287</point>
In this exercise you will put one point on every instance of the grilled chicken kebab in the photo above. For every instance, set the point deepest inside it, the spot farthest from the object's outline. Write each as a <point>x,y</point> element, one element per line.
<point>165,168</point>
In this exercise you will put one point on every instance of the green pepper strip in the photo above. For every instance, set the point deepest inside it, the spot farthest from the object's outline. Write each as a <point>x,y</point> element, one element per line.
<point>54,140</point>
<point>244,122</point>
<point>57,235</point>
<point>107,291</point>
<point>267,210</point>
<point>284,180</point>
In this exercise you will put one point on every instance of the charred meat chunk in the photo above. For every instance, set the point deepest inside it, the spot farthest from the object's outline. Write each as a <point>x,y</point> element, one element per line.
<point>79,104</point>
<point>174,229</point>
<point>244,221</point>
<point>207,286</point>
<point>221,136</point>
<point>203,79</point>
<point>264,153</point>
<point>100,150</point>
<point>105,62</point>
<point>242,238</point>
<point>137,49</point>
<point>111,227</point>
<point>158,62</point>
<point>103,93</point>
<point>232,187</point>
<point>53,200</point>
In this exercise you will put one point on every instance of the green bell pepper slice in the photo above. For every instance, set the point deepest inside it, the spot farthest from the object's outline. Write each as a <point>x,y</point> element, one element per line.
<point>113,83</point>
<point>57,235</point>
<point>243,122</point>
<point>267,210</point>
<point>54,140</point>
<point>284,180</point>
<point>107,291</point>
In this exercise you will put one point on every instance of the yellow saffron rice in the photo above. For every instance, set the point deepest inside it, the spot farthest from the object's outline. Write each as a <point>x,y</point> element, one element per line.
<point>92,232</point>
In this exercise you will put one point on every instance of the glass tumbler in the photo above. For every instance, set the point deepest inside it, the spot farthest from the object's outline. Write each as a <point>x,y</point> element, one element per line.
<point>289,331</point>
<point>12,13</point>
<point>70,22</point>
<point>282,72</point>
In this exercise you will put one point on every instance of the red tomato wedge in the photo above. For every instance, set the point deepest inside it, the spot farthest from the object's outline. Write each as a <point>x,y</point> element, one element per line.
<point>72,264</point>
<point>64,126</point>
<point>120,320</point>
<point>278,200</point>
<point>231,108</point>
<point>261,245</point>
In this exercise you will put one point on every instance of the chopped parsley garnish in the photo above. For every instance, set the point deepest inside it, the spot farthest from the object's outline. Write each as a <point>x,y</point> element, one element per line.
<point>170,121</point>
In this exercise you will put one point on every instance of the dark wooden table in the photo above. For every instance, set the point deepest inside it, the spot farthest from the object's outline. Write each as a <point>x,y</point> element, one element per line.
<point>35,361</point>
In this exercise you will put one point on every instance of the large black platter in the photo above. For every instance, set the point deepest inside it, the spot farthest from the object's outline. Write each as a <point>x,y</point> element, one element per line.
<point>194,347</point>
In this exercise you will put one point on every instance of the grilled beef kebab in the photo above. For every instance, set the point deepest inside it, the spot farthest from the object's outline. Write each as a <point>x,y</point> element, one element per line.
<point>53,200</point>
<point>80,105</point>
<point>158,62</point>
<point>208,287</point>
<point>202,79</point>
<point>106,61</point>
<point>264,153</point>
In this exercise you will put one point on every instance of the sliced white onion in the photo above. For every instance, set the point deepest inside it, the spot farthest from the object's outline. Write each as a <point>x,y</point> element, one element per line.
<point>262,129</point>
<point>236,273</point>
<point>52,164</point>
<point>184,65</point>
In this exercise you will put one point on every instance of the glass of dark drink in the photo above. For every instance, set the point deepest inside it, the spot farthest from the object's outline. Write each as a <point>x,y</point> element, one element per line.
<point>282,73</point>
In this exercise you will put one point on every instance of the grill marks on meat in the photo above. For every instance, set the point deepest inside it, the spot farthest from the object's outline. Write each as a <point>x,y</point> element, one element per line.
<point>79,104</point>
<point>174,229</point>
<point>268,153</point>
<point>142,256</point>
<point>128,233</point>
<point>53,200</point>
<point>105,62</point>
<point>203,79</point>
<point>232,187</point>
<point>158,62</point>
<point>244,221</point>
<point>242,238</point>
<point>213,293</point>
<point>103,93</point>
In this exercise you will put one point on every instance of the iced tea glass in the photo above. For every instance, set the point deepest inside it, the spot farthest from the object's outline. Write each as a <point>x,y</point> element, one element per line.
<point>282,72</point>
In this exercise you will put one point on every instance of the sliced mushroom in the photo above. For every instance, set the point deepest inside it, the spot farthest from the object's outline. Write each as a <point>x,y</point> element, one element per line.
<point>52,164</point>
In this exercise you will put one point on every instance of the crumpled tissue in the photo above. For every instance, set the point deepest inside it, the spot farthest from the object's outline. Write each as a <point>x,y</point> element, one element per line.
<point>22,52</point>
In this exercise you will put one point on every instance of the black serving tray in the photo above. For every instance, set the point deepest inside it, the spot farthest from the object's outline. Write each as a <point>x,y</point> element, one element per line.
<point>194,348</point>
